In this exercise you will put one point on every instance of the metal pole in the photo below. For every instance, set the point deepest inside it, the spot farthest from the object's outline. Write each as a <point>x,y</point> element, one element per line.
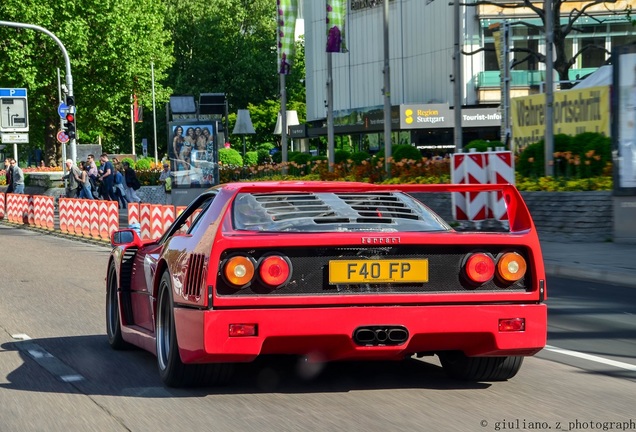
<point>505,94</point>
<point>457,80</point>
<point>331,152</point>
<point>549,93</point>
<point>59,95</point>
<point>387,94</point>
<point>154,110</point>
<point>132,124</point>
<point>283,120</point>
<point>69,77</point>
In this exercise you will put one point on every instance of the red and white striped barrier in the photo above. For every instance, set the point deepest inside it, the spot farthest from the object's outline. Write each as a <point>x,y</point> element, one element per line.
<point>2,205</point>
<point>469,169</point>
<point>501,170</point>
<point>494,167</point>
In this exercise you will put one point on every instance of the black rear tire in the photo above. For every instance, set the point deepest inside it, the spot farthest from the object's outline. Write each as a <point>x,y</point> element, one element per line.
<point>459,366</point>
<point>173,372</point>
<point>113,321</point>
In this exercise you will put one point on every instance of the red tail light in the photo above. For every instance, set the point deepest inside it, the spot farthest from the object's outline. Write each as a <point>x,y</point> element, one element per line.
<point>274,270</point>
<point>480,268</point>
<point>241,330</point>
<point>512,324</point>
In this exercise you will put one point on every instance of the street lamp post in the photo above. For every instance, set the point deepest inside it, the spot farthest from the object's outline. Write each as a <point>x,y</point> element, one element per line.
<point>243,127</point>
<point>549,91</point>
<point>69,77</point>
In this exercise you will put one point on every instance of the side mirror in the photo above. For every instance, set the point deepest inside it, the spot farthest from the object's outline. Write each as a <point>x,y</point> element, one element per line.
<point>125,237</point>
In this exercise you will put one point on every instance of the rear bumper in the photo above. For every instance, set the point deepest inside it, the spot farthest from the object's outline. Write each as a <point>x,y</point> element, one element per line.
<point>326,333</point>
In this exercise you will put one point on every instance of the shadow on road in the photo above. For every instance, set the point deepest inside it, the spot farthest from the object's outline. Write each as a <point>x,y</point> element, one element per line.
<point>134,372</point>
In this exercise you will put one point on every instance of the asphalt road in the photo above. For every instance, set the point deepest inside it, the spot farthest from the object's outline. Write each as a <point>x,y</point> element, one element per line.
<point>57,372</point>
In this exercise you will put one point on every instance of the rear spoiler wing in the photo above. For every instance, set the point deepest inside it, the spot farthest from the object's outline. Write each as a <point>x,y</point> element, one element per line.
<point>518,214</point>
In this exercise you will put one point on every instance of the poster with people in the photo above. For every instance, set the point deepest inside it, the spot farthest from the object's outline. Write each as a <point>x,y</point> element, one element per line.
<point>627,121</point>
<point>191,153</point>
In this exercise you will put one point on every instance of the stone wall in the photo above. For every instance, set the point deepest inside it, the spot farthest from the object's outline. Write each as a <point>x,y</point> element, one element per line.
<point>558,216</point>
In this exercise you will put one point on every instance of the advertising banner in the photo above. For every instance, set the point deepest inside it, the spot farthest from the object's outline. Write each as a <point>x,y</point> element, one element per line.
<point>575,112</point>
<point>286,24</point>
<point>624,127</point>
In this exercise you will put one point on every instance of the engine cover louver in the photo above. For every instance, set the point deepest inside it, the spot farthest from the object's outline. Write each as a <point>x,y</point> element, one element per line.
<point>195,275</point>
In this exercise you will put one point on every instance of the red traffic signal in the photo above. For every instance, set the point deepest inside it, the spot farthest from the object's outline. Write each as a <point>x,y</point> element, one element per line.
<point>69,125</point>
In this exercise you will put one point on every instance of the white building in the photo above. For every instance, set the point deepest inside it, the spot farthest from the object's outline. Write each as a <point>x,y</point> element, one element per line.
<point>421,67</point>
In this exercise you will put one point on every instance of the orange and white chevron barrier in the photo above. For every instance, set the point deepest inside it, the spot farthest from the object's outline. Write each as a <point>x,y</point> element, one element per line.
<point>87,218</point>
<point>44,212</point>
<point>168,216</point>
<point>18,208</point>
<point>93,217</point>
<point>133,213</point>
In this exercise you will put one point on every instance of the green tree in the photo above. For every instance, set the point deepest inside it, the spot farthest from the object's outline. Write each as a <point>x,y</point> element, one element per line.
<point>224,46</point>
<point>110,45</point>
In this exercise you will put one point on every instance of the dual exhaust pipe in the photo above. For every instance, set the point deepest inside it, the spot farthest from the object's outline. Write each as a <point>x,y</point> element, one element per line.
<point>380,335</point>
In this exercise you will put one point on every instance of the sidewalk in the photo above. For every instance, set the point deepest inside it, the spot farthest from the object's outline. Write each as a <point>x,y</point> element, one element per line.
<point>599,262</point>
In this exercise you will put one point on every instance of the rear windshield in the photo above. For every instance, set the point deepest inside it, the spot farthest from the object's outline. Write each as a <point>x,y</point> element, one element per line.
<point>333,212</point>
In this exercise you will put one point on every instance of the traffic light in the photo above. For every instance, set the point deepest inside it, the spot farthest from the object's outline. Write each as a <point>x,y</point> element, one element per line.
<point>69,125</point>
<point>69,120</point>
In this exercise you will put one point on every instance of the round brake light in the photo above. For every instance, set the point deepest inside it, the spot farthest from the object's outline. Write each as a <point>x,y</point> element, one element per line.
<point>239,270</point>
<point>274,270</point>
<point>511,267</point>
<point>480,268</point>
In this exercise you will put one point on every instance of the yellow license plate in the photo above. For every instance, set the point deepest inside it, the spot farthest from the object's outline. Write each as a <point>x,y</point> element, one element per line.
<point>378,271</point>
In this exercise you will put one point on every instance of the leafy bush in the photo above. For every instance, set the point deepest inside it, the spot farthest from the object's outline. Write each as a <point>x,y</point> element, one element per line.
<point>144,164</point>
<point>231,157</point>
<point>341,156</point>
<point>359,157</point>
<point>130,161</point>
<point>263,156</point>
<point>583,156</point>
<point>251,158</point>
<point>482,145</point>
<point>300,158</point>
<point>405,151</point>
<point>299,163</point>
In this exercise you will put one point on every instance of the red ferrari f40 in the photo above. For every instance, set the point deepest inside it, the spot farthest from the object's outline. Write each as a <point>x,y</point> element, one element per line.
<point>329,270</point>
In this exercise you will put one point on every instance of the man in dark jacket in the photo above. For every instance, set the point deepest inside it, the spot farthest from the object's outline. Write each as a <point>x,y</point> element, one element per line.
<point>132,183</point>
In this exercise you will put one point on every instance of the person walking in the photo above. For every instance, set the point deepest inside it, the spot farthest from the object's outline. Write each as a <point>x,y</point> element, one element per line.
<point>120,190</point>
<point>132,183</point>
<point>107,177</point>
<point>166,181</point>
<point>85,184</point>
<point>17,177</point>
<point>72,179</point>
<point>8,169</point>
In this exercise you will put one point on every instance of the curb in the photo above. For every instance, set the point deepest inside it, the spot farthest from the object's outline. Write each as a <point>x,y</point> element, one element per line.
<point>580,272</point>
<point>56,233</point>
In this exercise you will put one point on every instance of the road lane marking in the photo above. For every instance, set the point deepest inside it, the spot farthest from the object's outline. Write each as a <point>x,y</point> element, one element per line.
<point>597,359</point>
<point>45,359</point>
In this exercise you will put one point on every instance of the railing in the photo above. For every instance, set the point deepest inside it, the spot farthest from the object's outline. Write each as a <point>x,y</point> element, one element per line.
<point>523,78</point>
